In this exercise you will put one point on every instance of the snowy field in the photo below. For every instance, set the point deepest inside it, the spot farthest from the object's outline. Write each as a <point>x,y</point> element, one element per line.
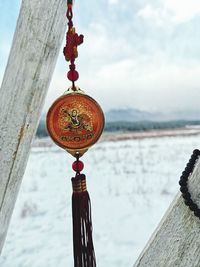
<point>131,184</point>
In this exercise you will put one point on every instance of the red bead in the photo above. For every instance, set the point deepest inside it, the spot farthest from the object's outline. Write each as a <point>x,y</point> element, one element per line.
<point>77,166</point>
<point>73,75</point>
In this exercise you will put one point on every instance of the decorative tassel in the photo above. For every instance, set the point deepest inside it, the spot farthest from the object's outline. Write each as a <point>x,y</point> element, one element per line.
<point>75,122</point>
<point>84,255</point>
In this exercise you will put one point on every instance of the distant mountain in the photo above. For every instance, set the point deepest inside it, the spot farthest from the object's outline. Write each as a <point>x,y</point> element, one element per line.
<point>131,115</point>
<point>183,115</point>
<point>127,120</point>
<point>128,114</point>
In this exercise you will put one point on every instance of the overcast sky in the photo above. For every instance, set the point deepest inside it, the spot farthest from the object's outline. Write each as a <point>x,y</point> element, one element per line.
<point>137,53</point>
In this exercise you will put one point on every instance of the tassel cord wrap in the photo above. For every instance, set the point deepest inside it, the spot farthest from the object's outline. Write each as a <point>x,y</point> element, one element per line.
<point>84,255</point>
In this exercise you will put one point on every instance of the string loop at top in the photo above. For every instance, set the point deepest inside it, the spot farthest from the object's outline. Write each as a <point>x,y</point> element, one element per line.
<point>69,13</point>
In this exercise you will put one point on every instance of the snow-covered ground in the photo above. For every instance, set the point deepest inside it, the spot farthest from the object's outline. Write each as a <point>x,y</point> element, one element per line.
<point>131,184</point>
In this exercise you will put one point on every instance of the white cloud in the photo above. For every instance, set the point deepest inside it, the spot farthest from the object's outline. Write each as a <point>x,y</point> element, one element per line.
<point>182,10</point>
<point>113,2</point>
<point>144,71</point>
<point>170,12</point>
<point>126,62</point>
<point>159,16</point>
<point>162,86</point>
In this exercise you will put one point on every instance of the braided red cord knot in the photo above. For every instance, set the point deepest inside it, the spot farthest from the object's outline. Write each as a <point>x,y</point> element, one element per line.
<point>73,40</point>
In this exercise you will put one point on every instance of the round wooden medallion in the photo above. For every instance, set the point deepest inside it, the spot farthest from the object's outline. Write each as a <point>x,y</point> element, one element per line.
<point>75,122</point>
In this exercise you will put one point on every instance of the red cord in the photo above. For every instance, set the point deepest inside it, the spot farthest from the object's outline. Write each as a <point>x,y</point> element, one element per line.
<point>73,40</point>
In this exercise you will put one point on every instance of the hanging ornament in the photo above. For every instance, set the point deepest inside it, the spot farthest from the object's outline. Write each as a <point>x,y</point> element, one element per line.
<point>75,122</point>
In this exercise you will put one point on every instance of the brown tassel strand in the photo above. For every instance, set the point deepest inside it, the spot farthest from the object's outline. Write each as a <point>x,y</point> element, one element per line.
<point>84,255</point>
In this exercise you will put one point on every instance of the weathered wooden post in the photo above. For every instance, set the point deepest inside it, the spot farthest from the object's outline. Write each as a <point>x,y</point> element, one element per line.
<point>38,36</point>
<point>176,241</point>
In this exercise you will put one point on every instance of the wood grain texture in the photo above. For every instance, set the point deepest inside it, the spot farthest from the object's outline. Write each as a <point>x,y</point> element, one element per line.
<point>38,36</point>
<point>176,241</point>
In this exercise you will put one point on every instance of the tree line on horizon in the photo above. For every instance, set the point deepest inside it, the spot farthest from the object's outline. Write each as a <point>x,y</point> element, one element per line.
<point>123,126</point>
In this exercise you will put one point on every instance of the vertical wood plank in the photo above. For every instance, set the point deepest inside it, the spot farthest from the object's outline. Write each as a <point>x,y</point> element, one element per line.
<point>37,40</point>
<point>176,241</point>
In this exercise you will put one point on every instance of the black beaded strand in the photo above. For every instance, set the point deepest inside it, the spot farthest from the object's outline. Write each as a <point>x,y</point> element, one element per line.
<point>183,182</point>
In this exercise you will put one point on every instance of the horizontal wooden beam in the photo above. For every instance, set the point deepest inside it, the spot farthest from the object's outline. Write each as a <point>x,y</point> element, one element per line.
<point>176,241</point>
<point>38,36</point>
